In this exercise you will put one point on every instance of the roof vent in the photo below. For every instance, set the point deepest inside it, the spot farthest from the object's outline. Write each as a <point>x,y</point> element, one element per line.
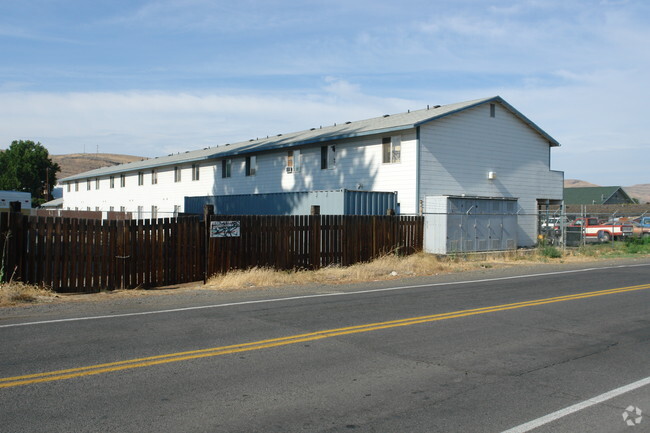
<point>312,129</point>
<point>386,115</point>
<point>436,106</point>
<point>348,122</point>
<point>279,135</point>
<point>228,144</point>
<point>252,139</point>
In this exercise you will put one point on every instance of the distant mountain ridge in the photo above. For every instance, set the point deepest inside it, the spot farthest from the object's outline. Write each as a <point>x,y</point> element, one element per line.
<point>640,191</point>
<point>75,163</point>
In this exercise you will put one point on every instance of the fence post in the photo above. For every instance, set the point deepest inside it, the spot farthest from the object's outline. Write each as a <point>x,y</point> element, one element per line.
<point>208,211</point>
<point>11,248</point>
<point>315,237</point>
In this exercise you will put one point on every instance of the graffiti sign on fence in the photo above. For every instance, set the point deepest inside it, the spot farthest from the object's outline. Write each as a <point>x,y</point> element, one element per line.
<point>225,229</point>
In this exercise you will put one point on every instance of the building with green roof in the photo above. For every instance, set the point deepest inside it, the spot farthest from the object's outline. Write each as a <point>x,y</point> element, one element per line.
<point>596,195</point>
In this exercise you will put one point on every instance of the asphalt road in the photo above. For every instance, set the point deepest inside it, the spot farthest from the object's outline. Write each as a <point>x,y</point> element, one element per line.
<point>475,353</point>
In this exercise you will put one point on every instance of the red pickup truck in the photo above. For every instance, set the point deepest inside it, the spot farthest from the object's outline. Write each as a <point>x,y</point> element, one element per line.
<point>603,232</point>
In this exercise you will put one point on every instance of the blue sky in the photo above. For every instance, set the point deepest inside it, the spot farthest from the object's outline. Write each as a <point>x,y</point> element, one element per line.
<point>154,77</point>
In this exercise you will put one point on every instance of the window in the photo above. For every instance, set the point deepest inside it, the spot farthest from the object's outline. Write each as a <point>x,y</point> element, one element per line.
<point>122,209</point>
<point>96,208</point>
<point>111,209</point>
<point>140,178</point>
<point>154,177</point>
<point>226,165</point>
<point>251,165</point>
<point>68,189</point>
<point>177,174</point>
<point>97,183</point>
<point>177,209</point>
<point>122,181</point>
<point>88,186</point>
<point>112,182</point>
<point>327,157</point>
<point>493,109</point>
<point>88,208</point>
<point>76,185</point>
<point>195,171</point>
<point>392,149</point>
<point>154,212</point>
<point>140,212</point>
<point>293,161</point>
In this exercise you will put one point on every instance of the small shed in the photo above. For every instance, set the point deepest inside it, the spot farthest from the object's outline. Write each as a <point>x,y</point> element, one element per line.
<point>334,202</point>
<point>457,224</point>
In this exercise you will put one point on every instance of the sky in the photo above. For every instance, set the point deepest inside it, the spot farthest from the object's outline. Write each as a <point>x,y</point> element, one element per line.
<point>151,78</point>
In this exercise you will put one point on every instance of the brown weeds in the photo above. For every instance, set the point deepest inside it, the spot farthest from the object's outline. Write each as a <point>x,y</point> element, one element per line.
<point>14,293</point>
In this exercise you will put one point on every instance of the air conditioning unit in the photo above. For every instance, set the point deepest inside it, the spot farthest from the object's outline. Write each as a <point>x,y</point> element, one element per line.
<point>289,170</point>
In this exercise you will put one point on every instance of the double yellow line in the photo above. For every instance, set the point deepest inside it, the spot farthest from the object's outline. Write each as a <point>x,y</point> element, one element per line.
<point>50,376</point>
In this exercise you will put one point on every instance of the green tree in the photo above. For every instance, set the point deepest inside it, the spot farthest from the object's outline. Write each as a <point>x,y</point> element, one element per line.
<point>26,166</point>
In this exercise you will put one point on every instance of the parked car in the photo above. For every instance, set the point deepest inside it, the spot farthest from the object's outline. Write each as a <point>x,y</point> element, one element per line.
<point>603,231</point>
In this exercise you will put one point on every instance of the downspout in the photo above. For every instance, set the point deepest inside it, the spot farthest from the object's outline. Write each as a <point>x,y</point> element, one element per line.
<point>417,171</point>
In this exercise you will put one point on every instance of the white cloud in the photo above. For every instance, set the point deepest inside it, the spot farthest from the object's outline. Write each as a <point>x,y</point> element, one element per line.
<point>156,123</point>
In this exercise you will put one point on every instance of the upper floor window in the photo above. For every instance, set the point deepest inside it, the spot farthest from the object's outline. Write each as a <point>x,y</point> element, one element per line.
<point>87,184</point>
<point>293,161</point>
<point>112,182</point>
<point>154,177</point>
<point>122,180</point>
<point>327,156</point>
<point>177,174</point>
<point>391,149</point>
<point>140,178</point>
<point>76,185</point>
<point>69,188</point>
<point>97,183</point>
<point>251,165</point>
<point>226,167</point>
<point>195,171</point>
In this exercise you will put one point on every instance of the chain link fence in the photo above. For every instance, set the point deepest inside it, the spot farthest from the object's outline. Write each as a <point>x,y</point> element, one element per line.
<point>580,225</point>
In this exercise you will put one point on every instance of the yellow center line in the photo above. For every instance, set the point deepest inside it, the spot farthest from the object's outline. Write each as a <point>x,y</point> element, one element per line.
<point>8,382</point>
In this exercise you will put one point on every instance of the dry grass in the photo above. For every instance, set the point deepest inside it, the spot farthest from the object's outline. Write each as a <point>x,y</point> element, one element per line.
<point>14,293</point>
<point>384,268</point>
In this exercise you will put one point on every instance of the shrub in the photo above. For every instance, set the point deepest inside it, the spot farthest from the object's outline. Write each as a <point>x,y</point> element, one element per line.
<point>551,252</point>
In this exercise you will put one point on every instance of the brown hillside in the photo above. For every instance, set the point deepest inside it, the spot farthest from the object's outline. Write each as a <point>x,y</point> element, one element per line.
<point>641,192</point>
<point>75,163</point>
<point>577,183</point>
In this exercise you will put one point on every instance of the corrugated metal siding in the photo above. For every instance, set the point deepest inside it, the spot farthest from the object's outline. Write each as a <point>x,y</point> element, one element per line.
<point>337,202</point>
<point>468,224</point>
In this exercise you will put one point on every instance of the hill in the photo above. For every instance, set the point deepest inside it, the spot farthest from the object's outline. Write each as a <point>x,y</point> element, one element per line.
<point>577,183</point>
<point>75,163</point>
<point>641,192</point>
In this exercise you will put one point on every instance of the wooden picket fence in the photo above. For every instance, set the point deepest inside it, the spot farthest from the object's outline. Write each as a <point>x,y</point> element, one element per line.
<point>84,255</point>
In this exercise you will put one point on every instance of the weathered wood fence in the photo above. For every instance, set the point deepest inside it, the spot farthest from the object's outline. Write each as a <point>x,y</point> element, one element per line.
<point>81,255</point>
<point>311,241</point>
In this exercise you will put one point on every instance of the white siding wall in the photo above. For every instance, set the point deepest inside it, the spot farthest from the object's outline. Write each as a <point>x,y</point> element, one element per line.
<point>165,194</point>
<point>358,166</point>
<point>458,151</point>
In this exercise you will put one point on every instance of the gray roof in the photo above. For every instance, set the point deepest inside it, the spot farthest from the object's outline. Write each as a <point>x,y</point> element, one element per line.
<point>377,125</point>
